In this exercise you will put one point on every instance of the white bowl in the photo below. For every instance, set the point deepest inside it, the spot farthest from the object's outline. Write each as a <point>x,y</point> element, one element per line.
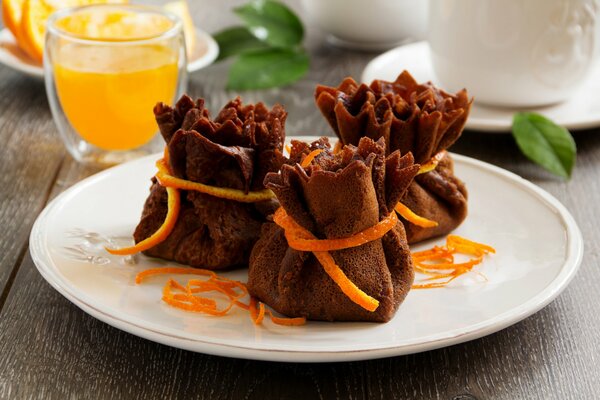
<point>369,25</point>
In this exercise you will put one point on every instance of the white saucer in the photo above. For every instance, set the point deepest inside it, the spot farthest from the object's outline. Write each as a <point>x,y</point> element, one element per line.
<point>582,111</point>
<point>205,53</point>
<point>539,249</point>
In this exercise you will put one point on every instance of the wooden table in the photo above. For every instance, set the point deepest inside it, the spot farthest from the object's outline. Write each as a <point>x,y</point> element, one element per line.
<point>51,349</point>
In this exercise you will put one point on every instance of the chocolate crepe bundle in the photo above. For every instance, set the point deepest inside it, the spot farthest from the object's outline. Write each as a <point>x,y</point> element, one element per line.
<point>235,150</point>
<point>336,196</point>
<point>411,117</point>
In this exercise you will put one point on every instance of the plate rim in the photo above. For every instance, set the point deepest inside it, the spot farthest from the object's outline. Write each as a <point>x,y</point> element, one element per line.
<point>13,62</point>
<point>487,125</point>
<point>569,268</point>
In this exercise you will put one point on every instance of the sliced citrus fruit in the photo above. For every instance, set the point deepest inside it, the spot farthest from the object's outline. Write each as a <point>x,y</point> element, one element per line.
<point>12,12</point>
<point>33,22</point>
<point>11,15</point>
<point>181,9</point>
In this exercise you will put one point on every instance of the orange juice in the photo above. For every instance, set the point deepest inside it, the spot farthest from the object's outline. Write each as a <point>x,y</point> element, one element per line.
<point>107,92</point>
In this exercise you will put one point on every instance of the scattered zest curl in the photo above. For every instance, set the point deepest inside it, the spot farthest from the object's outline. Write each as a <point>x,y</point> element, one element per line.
<point>191,296</point>
<point>440,265</point>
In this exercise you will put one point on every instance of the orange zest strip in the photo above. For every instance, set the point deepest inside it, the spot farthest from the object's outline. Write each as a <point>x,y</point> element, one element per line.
<point>172,184</point>
<point>297,321</point>
<point>295,233</point>
<point>439,263</point>
<point>432,164</point>
<point>171,270</point>
<point>309,157</point>
<point>413,218</point>
<point>466,244</point>
<point>188,297</point>
<point>346,285</point>
<point>169,181</point>
<point>257,315</point>
<point>161,234</point>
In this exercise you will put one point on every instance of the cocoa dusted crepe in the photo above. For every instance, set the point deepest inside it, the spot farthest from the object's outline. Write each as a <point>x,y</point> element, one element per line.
<point>235,150</point>
<point>411,117</point>
<point>336,196</point>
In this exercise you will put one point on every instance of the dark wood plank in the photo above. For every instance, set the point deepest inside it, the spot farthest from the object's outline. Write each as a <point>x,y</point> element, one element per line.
<point>31,154</point>
<point>51,349</point>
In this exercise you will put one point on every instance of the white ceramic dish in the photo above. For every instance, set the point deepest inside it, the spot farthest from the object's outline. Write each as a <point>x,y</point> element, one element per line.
<point>205,53</point>
<point>539,248</point>
<point>581,111</point>
<point>369,25</point>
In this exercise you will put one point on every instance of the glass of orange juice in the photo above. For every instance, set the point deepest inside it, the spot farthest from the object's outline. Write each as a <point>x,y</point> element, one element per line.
<point>106,66</point>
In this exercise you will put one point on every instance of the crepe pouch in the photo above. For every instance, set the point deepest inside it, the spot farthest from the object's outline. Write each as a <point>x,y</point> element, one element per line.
<point>411,117</point>
<point>336,196</point>
<point>235,150</point>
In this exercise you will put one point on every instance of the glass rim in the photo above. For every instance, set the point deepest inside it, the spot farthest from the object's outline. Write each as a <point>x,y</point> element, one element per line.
<point>174,30</point>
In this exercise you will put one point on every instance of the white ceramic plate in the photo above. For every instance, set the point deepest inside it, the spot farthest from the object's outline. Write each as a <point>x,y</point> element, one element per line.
<point>582,111</point>
<point>205,52</point>
<point>539,248</point>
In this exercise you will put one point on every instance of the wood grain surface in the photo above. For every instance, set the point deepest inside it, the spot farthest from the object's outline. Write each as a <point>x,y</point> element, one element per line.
<point>51,349</point>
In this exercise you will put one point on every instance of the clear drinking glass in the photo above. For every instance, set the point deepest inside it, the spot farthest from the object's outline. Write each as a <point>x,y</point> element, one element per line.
<point>106,66</point>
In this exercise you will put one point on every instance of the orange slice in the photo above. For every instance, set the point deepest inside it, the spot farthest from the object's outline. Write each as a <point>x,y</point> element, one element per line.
<point>11,15</point>
<point>33,22</point>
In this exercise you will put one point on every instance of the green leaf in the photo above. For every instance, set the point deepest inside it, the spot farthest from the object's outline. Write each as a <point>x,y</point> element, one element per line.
<point>237,40</point>
<point>267,68</point>
<point>545,143</point>
<point>272,22</point>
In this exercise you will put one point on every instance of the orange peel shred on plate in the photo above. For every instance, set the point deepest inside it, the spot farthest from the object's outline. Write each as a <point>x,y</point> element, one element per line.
<point>438,263</point>
<point>192,297</point>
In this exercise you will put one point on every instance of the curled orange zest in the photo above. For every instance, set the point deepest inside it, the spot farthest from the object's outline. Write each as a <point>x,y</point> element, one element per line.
<point>171,270</point>
<point>309,157</point>
<point>173,207</point>
<point>188,297</point>
<point>257,315</point>
<point>293,234</point>
<point>296,232</point>
<point>432,164</point>
<point>413,218</point>
<point>297,321</point>
<point>439,263</point>
<point>170,181</point>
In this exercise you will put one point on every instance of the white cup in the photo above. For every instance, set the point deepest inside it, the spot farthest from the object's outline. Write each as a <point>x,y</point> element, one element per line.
<point>513,53</point>
<point>369,25</point>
